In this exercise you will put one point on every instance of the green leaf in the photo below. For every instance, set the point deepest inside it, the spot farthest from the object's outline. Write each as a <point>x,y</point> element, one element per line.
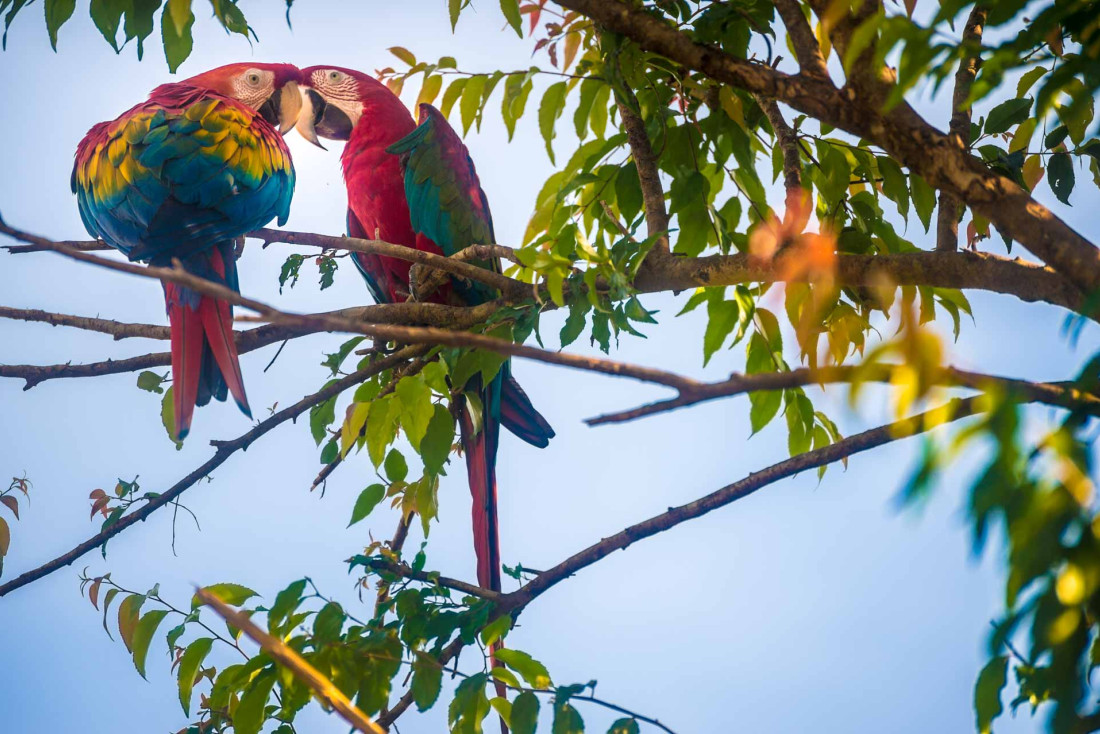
<point>177,39</point>
<point>416,407</point>
<point>139,21</point>
<point>328,623</point>
<point>320,418</point>
<point>894,184</point>
<point>624,726</point>
<point>496,630</point>
<point>150,382</point>
<point>1007,114</point>
<point>534,672</point>
<point>128,612</point>
<point>395,466</point>
<point>567,720</point>
<point>452,95</point>
<point>525,713</point>
<point>574,322</point>
<point>286,601</point>
<point>471,101</point>
<point>168,417</point>
<point>190,662</point>
<point>435,447</point>
<point>510,8</point>
<point>924,199</point>
<point>723,316</point>
<point>381,427</point>
<point>143,635</point>
<point>550,109</point>
<point>1027,81</point>
<point>404,54</point>
<point>107,16</point>
<point>57,12</point>
<point>1055,137</point>
<point>987,693</point>
<point>367,501</point>
<point>232,594</point>
<point>180,13</point>
<point>453,9</point>
<point>516,89</point>
<point>1060,176</point>
<point>249,715</point>
<point>427,681</point>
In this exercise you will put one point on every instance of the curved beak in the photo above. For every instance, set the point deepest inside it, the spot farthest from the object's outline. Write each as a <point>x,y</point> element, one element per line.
<point>283,108</point>
<point>313,109</point>
<point>319,118</point>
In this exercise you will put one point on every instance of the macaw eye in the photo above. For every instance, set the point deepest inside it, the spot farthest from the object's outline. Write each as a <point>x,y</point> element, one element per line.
<point>335,76</point>
<point>253,78</point>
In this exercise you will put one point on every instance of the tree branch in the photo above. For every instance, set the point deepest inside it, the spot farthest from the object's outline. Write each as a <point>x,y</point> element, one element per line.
<point>901,132</point>
<point>223,450</point>
<point>787,141</point>
<point>117,329</point>
<point>947,223</point>
<point>842,449</point>
<point>806,48</point>
<point>404,571</point>
<point>248,340</point>
<point>286,656</point>
<point>653,194</point>
<point>1058,394</point>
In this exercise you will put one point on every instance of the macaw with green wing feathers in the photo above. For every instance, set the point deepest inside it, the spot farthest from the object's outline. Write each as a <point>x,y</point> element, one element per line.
<point>415,185</point>
<point>180,177</point>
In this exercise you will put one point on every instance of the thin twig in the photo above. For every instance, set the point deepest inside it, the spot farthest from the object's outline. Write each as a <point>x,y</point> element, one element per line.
<point>285,655</point>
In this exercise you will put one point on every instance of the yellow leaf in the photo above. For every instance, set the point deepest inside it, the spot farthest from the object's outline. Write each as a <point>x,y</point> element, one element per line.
<point>5,537</point>
<point>353,425</point>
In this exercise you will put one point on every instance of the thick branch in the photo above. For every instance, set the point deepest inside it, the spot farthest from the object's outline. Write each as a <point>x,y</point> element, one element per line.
<point>223,450</point>
<point>653,194</point>
<point>738,490</point>
<point>1060,394</point>
<point>806,48</point>
<point>947,224</point>
<point>787,141</point>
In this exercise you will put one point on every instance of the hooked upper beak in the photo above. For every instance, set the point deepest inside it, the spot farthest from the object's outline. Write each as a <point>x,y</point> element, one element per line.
<point>313,109</point>
<point>283,108</point>
<point>319,118</point>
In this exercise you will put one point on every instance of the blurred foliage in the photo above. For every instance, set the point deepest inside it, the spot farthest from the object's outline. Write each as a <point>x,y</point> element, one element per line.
<point>586,241</point>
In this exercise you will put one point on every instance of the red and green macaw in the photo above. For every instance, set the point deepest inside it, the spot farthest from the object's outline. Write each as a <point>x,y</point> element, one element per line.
<point>180,176</point>
<point>415,185</point>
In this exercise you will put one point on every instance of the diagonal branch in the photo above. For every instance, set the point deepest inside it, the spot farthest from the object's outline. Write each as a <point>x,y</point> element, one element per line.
<point>947,223</point>
<point>806,48</point>
<point>787,141</point>
<point>286,656</point>
<point>842,449</point>
<point>223,450</point>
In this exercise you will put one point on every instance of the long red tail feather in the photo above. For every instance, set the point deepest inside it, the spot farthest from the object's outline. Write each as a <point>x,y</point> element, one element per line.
<point>187,347</point>
<point>481,455</point>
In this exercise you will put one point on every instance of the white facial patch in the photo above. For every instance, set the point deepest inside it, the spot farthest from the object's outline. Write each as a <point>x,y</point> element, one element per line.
<point>253,87</point>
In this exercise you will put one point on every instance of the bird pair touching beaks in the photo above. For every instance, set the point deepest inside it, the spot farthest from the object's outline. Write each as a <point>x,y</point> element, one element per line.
<point>203,161</point>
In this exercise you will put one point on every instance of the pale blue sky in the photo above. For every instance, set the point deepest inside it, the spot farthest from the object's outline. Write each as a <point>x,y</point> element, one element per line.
<point>808,607</point>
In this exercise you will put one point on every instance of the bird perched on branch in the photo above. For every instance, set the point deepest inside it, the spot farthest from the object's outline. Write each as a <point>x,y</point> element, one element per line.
<point>415,185</point>
<point>178,178</point>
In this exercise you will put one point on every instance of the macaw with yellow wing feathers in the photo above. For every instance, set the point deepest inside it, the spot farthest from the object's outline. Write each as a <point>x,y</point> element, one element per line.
<point>180,177</point>
<point>415,185</point>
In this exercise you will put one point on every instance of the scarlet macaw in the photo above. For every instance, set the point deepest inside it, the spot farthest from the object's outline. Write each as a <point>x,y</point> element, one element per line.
<point>182,175</point>
<point>415,185</point>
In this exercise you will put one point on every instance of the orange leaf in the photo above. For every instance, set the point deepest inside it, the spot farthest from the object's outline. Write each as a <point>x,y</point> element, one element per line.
<point>12,504</point>
<point>100,505</point>
<point>96,494</point>
<point>572,43</point>
<point>93,592</point>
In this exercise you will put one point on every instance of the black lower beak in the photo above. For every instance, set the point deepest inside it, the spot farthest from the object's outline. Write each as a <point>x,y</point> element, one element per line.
<point>269,110</point>
<point>329,120</point>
